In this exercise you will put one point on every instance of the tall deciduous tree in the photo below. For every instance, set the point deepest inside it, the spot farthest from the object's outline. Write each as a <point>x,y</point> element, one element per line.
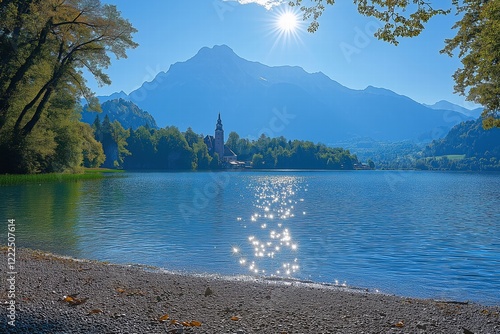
<point>478,39</point>
<point>45,45</point>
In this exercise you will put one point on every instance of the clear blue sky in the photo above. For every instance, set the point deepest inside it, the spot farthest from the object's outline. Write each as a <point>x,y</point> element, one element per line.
<point>173,31</point>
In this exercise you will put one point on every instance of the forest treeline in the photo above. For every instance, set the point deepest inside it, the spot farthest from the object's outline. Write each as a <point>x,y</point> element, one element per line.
<point>468,146</point>
<point>170,149</point>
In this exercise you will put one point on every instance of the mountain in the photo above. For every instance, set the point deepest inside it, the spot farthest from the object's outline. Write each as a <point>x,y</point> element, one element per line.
<point>126,112</point>
<point>446,105</point>
<point>282,101</point>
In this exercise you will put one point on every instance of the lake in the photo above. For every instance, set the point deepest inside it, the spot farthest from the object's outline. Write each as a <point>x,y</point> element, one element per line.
<point>419,234</point>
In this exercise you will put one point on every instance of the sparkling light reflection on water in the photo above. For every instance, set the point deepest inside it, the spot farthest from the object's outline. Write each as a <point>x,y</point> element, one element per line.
<point>272,248</point>
<point>410,233</point>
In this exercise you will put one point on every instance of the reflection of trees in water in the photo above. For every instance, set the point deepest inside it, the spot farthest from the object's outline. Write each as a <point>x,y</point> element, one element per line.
<point>46,214</point>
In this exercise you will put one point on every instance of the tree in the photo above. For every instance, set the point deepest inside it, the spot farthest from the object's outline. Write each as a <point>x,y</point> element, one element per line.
<point>93,154</point>
<point>232,141</point>
<point>258,161</point>
<point>44,47</point>
<point>478,40</point>
<point>119,135</point>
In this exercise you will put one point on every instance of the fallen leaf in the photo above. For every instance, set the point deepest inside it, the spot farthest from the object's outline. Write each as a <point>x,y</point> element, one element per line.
<point>120,290</point>
<point>163,318</point>
<point>73,301</point>
<point>400,324</point>
<point>195,323</point>
<point>486,312</point>
<point>235,318</point>
<point>186,324</point>
<point>95,311</point>
<point>174,322</point>
<point>68,299</point>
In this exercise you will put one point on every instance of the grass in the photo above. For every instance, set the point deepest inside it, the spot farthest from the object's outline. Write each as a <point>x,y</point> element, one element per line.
<point>88,174</point>
<point>102,170</point>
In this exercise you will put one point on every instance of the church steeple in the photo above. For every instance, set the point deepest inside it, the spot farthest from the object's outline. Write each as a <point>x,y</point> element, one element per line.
<point>218,126</point>
<point>219,138</point>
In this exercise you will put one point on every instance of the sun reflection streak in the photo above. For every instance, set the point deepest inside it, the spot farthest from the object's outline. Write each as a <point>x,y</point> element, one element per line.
<point>272,246</point>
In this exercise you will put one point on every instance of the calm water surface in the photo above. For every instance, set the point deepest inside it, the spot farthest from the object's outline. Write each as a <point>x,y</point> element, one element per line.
<point>418,234</point>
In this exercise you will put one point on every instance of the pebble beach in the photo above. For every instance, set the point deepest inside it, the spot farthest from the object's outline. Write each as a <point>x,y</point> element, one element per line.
<point>55,294</point>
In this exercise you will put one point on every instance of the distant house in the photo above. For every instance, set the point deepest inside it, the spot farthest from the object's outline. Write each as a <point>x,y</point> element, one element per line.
<point>216,145</point>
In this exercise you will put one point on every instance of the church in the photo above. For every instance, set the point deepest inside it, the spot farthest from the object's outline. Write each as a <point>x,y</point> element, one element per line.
<point>216,145</point>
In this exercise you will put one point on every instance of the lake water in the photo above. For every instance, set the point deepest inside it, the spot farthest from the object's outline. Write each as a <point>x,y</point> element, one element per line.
<point>420,234</point>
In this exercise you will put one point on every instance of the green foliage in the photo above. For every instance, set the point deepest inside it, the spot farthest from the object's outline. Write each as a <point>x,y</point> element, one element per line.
<point>401,18</point>
<point>258,161</point>
<point>113,138</point>
<point>168,148</point>
<point>93,154</point>
<point>165,149</point>
<point>45,45</point>
<point>279,153</point>
<point>172,149</point>
<point>478,41</point>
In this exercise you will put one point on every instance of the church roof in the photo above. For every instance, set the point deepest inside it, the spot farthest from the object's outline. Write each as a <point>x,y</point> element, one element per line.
<point>228,152</point>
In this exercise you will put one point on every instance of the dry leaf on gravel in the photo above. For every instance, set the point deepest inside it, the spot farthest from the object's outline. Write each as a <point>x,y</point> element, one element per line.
<point>195,323</point>
<point>73,301</point>
<point>400,324</point>
<point>163,318</point>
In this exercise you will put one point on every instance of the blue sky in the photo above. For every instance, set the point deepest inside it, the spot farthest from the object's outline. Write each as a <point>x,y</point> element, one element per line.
<point>343,48</point>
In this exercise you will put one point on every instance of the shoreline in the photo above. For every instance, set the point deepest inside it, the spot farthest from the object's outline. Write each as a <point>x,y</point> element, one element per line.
<point>57,294</point>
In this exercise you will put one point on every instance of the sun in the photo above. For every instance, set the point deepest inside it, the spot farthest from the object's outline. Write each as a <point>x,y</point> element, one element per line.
<point>286,26</point>
<point>287,22</point>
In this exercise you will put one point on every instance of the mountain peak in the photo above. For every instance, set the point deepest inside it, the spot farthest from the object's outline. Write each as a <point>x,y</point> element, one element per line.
<point>380,91</point>
<point>217,51</point>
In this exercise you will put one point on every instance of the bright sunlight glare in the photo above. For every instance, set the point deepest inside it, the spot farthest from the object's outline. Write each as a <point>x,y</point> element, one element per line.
<point>286,26</point>
<point>287,22</point>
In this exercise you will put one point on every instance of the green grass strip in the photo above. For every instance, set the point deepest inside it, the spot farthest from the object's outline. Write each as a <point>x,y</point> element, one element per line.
<point>89,174</point>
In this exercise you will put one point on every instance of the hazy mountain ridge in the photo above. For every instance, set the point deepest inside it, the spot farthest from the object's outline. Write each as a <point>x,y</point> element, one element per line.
<point>446,105</point>
<point>254,98</point>
<point>126,112</point>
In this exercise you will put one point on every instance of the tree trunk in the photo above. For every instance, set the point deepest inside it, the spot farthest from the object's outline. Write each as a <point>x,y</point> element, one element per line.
<point>6,96</point>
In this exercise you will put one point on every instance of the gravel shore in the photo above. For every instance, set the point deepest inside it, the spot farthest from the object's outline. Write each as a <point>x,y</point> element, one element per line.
<point>62,295</point>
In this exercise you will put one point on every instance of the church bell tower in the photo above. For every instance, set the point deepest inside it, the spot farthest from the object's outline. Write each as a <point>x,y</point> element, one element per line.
<point>219,139</point>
